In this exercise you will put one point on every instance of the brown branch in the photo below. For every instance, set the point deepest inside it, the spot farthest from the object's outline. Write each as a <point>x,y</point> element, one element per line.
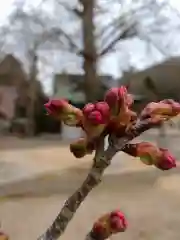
<point>113,24</point>
<point>126,32</point>
<point>101,161</point>
<point>49,34</point>
<point>76,11</point>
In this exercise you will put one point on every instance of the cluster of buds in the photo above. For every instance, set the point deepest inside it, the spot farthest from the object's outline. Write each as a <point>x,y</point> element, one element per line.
<point>93,119</point>
<point>122,117</point>
<point>96,118</point>
<point>113,115</point>
<point>150,154</point>
<point>62,110</point>
<point>163,110</point>
<point>108,224</point>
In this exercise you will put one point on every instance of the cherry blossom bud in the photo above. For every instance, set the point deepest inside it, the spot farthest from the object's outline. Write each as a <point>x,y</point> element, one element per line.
<point>115,97</point>
<point>55,107</point>
<point>150,154</point>
<point>147,152</point>
<point>97,113</point>
<point>164,109</point>
<point>166,161</point>
<point>108,224</point>
<point>96,118</point>
<point>118,221</point>
<point>64,111</point>
<point>81,147</point>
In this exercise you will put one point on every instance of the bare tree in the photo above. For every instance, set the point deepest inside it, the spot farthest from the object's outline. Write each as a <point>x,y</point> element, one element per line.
<point>95,38</point>
<point>92,38</point>
<point>96,42</point>
<point>88,42</point>
<point>32,35</point>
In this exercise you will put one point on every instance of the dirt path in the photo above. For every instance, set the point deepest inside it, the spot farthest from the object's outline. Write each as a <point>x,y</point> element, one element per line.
<point>149,199</point>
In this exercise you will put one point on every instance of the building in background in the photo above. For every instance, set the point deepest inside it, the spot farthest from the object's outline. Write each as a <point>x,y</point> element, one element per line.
<point>12,77</point>
<point>165,77</point>
<point>70,87</point>
<point>14,96</point>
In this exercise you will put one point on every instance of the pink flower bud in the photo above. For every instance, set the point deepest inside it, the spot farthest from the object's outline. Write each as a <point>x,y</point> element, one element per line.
<point>123,91</point>
<point>97,114</point>
<point>114,98</point>
<point>64,111</point>
<point>118,221</point>
<point>175,106</point>
<point>153,155</point>
<point>164,109</point>
<point>118,97</point>
<point>166,161</point>
<point>55,107</point>
<point>98,228</point>
<point>147,152</point>
<point>108,224</point>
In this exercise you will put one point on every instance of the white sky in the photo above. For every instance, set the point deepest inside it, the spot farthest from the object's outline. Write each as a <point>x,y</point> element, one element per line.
<point>136,53</point>
<point>5,9</point>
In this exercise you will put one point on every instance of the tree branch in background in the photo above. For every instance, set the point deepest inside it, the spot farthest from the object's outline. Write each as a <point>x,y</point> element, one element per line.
<point>127,24</point>
<point>119,24</point>
<point>47,33</point>
<point>127,32</point>
<point>54,33</point>
<point>68,8</point>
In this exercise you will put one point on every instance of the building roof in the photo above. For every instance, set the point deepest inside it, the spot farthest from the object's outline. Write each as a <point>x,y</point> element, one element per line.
<point>165,77</point>
<point>9,62</point>
<point>11,71</point>
<point>70,86</point>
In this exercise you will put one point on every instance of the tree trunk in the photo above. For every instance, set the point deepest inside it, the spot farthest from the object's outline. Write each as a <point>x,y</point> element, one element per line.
<point>32,96</point>
<point>91,80</point>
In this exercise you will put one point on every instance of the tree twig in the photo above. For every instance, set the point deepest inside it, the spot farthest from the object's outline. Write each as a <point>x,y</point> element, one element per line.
<point>70,9</point>
<point>101,161</point>
<point>128,31</point>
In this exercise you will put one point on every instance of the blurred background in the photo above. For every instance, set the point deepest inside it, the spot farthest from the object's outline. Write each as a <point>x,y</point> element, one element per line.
<point>77,49</point>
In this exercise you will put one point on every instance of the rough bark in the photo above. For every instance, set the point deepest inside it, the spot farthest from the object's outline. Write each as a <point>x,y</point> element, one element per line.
<point>32,95</point>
